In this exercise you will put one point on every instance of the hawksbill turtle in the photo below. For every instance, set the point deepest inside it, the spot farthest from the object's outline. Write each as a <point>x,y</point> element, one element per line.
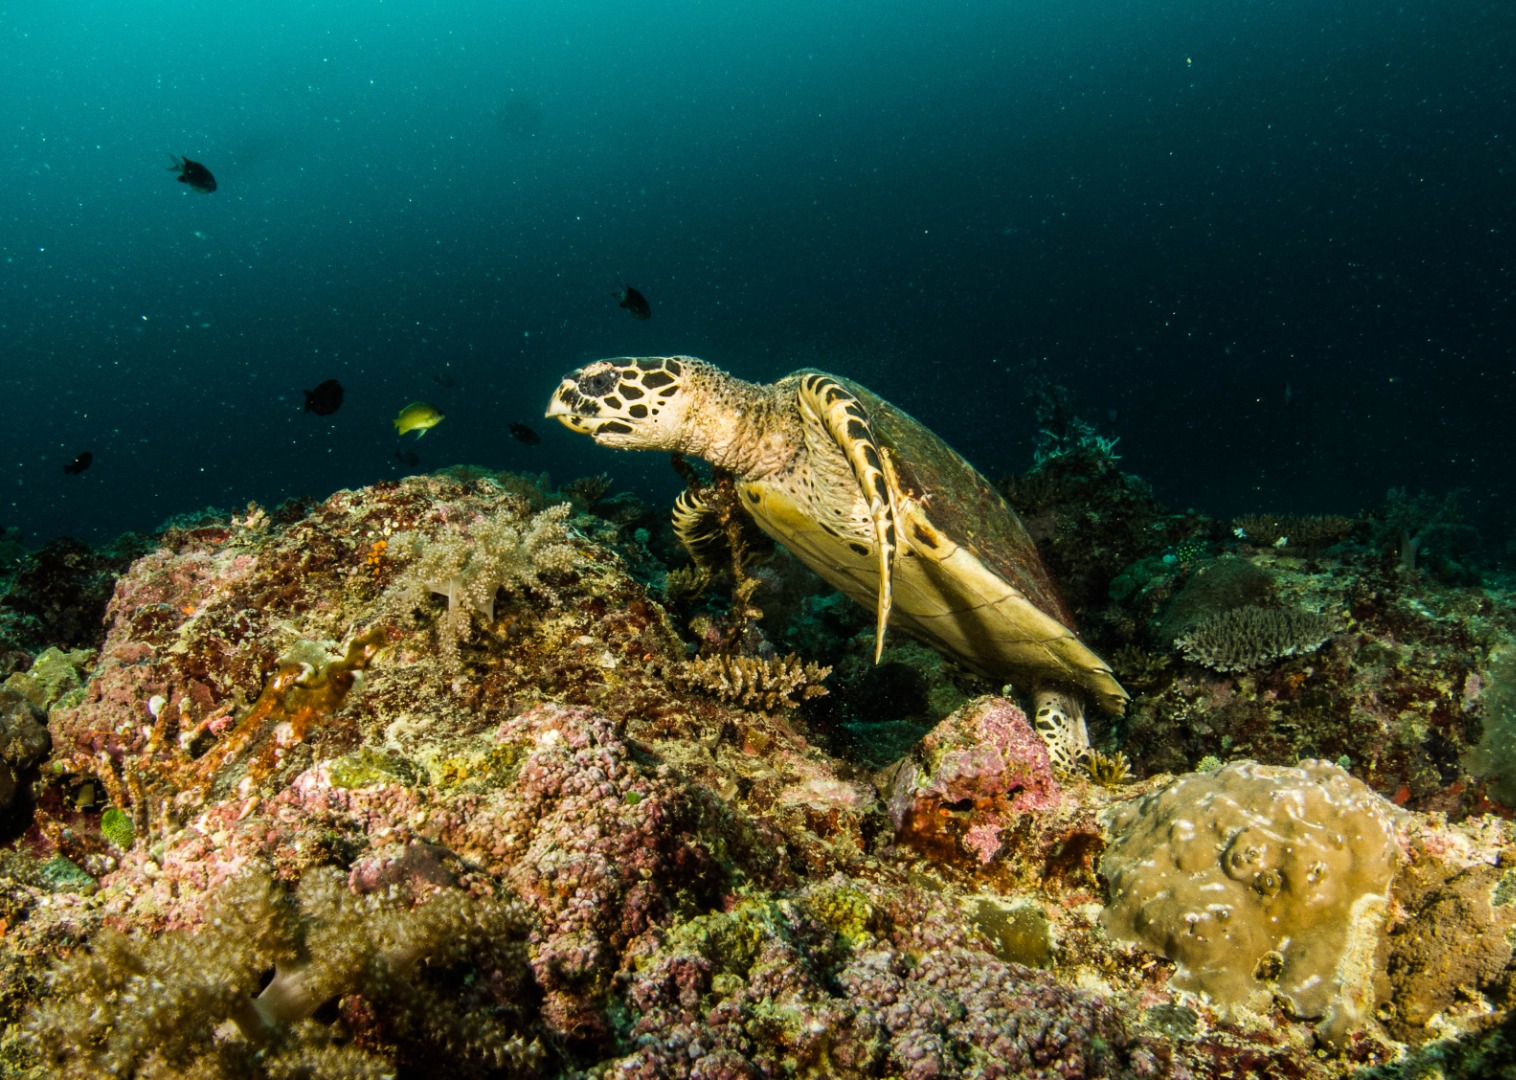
<point>873,502</point>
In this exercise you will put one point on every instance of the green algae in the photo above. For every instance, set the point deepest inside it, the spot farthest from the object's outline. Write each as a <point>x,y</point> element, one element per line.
<point>367,767</point>
<point>116,826</point>
<point>59,875</point>
<point>1018,933</point>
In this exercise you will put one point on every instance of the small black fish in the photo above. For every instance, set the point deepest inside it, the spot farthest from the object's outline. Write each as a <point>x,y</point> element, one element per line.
<point>325,399</point>
<point>194,174</point>
<point>407,457</point>
<point>443,380</point>
<point>635,303</point>
<point>525,434</point>
<point>79,464</point>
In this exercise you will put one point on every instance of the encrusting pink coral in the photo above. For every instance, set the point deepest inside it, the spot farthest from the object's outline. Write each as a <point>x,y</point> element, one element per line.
<point>972,775</point>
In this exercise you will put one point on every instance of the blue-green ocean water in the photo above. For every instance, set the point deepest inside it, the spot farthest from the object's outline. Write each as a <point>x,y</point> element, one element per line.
<point>1270,245</point>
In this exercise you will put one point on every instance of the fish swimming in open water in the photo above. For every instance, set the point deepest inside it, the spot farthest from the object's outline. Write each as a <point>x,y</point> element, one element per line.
<point>196,175</point>
<point>325,399</point>
<point>419,417</point>
<point>635,303</point>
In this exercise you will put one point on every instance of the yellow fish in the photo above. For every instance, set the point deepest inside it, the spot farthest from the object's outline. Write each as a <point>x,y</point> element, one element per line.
<point>418,417</point>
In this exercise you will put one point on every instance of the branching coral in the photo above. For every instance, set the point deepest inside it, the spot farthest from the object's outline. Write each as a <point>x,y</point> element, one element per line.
<point>1246,638</point>
<point>305,687</point>
<point>188,1003</point>
<point>753,683</point>
<point>469,563</point>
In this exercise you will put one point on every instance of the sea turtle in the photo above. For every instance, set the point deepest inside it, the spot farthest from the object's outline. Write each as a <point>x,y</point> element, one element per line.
<point>871,500</point>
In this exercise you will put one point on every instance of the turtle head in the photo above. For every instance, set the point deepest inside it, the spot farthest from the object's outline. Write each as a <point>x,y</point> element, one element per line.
<point>632,403</point>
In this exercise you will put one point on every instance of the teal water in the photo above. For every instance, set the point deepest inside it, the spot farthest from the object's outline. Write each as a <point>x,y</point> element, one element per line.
<point>1268,245</point>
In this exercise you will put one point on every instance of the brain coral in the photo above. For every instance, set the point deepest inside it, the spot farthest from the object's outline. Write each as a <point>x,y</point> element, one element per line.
<point>1256,879</point>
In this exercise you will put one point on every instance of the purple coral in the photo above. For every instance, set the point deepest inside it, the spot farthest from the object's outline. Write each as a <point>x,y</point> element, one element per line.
<point>600,847</point>
<point>923,1004</point>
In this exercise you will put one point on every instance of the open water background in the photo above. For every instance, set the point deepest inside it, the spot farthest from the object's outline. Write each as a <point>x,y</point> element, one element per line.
<point>1270,245</point>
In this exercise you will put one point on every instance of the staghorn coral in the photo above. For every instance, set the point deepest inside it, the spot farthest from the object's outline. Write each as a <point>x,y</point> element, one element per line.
<point>188,1003</point>
<point>1257,878</point>
<point>469,563</point>
<point>1246,638</point>
<point>754,683</point>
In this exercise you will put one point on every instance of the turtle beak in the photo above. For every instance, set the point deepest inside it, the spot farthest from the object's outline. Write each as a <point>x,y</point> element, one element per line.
<point>560,407</point>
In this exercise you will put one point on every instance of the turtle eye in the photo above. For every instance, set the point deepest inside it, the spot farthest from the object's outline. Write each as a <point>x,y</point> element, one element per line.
<point>599,384</point>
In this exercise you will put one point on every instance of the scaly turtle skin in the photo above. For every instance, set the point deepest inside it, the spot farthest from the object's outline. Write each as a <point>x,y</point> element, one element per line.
<point>871,500</point>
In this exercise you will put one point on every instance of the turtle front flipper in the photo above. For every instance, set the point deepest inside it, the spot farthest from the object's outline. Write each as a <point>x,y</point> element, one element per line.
<point>699,529</point>
<point>847,421</point>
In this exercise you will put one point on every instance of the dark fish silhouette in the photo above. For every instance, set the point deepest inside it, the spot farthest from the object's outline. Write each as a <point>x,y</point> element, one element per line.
<point>325,399</point>
<point>79,464</point>
<point>194,174</point>
<point>443,380</point>
<point>635,303</point>
<point>525,434</point>
<point>407,457</point>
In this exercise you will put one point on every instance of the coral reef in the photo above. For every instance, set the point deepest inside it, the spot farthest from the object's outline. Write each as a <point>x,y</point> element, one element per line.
<point>1408,525</point>
<point>1300,532</point>
<point>851,980</point>
<point>1398,692</point>
<point>421,778</point>
<point>1259,880</point>
<point>468,562</point>
<point>1246,638</point>
<point>1494,755</point>
<point>970,779</point>
<point>190,1003</point>
<point>23,743</point>
<point>781,682</point>
<point>56,595</point>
